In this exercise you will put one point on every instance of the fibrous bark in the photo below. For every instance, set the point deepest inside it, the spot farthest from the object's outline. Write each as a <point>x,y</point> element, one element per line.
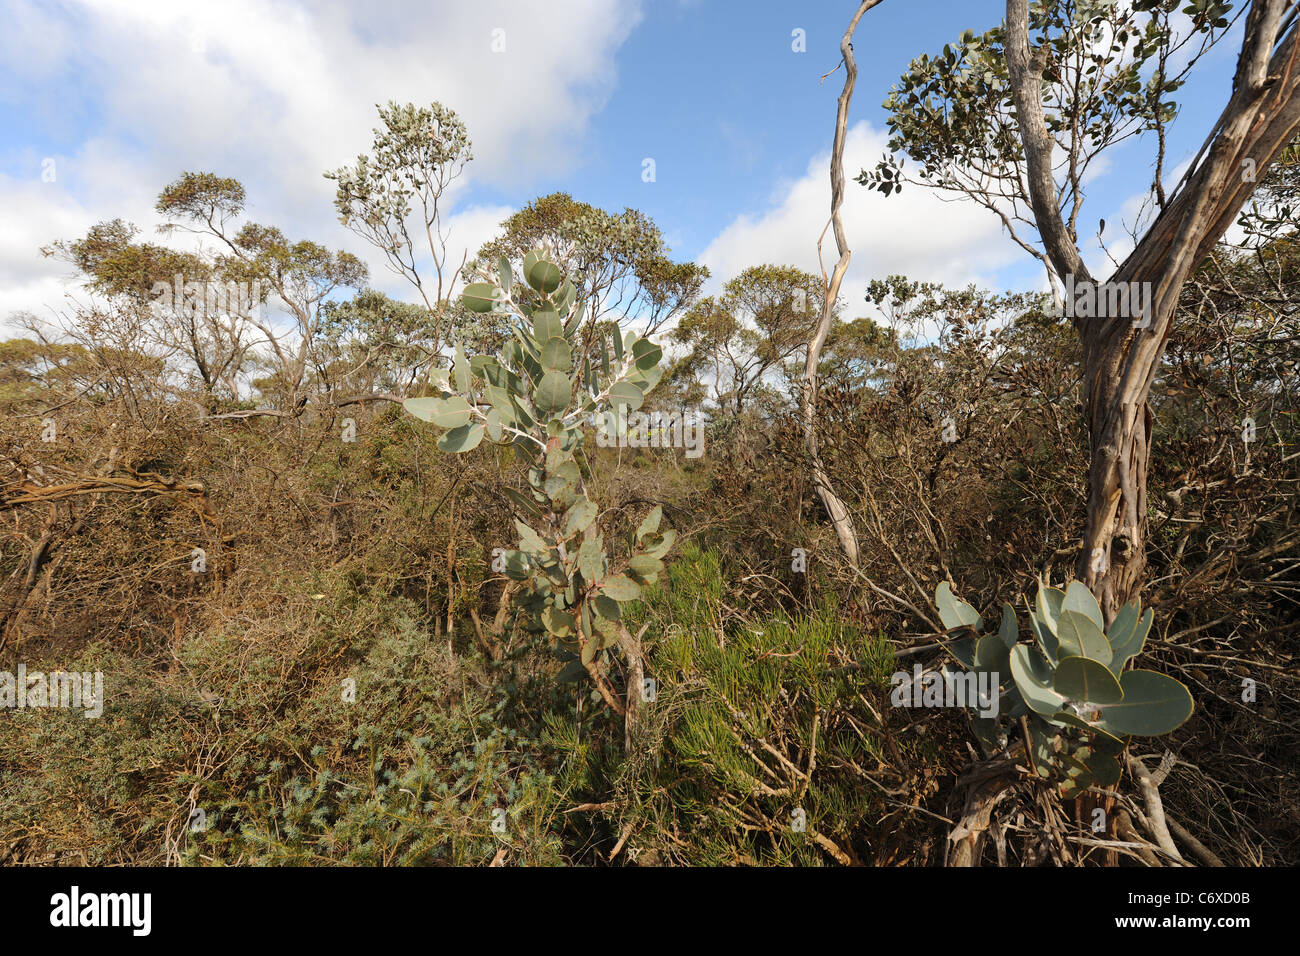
<point>1121,355</point>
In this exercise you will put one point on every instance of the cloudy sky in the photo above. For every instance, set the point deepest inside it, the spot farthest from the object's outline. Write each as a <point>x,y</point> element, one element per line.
<point>112,99</point>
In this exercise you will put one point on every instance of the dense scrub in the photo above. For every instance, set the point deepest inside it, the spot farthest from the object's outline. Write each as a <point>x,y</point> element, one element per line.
<point>329,560</point>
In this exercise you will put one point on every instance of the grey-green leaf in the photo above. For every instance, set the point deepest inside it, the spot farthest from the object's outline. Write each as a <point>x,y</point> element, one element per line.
<point>625,393</point>
<point>1009,631</point>
<point>1084,679</point>
<point>479,297</point>
<point>1049,605</point>
<point>646,354</point>
<point>544,276</point>
<point>1081,637</point>
<point>547,325</point>
<point>1078,598</point>
<point>1128,634</point>
<point>952,611</point>
<point>464,438</point>
<point>553,393</point>
<point>444,412</point>
<point>556,355</point>
<point>579,517</point>
<point>1153,704</point>
<point>620,588</point>
<point>1033,677</point>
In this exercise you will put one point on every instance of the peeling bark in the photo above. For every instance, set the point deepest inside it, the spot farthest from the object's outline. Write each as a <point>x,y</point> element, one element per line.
<point>1120,359</point>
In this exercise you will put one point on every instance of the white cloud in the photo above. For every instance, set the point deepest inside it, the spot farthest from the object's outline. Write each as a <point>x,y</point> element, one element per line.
<point>274,93</point>
<point>913,233</point>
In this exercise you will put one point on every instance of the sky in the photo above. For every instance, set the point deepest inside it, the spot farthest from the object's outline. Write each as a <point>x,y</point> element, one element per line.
<point>104,102</point>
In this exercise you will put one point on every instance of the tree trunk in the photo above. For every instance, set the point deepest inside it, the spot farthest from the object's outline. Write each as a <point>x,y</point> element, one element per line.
<point>836,509</point>
<point>1121,355</point>
<point>1113,557</point>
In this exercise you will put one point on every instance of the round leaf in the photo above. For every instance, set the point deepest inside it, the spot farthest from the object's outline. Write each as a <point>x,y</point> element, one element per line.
<point>464,438</point>
<point>544,276</point>
<point>450,412</point>
<point>1153,704</point>
<point>553,393</point>
<point>479,297</point>
<point>625,393</point>
<point>556,355</point>
<point>1084,679</point>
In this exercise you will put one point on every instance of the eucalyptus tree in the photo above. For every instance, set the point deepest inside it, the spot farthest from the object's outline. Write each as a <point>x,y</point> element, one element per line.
<point>1015,118</point>
<point>394,198</point>
<point>740,340</point>
<point>618,262</point>
<point>303,275</point>
<point>210,335</point>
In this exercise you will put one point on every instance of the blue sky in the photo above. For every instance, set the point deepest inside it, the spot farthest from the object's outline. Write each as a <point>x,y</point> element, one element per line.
<point>124,95</point>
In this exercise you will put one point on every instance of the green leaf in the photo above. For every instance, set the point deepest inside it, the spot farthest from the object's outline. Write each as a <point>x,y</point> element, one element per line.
<point>664,544</point>
<point>606,607</point>
<point>553,393</point>
<point>1033,677</point>
<point>625,393</point>
<point>517,566</point>
<point>1153,704</point>
<point>1099,741</point>
<point>480,364</point>
<point>505,273</point>
<point>650,524</point>
<point>479,297</point>
<point>530,541</point>
<point>1084,679</point>
<point>644,566</point>
<point>1079,599</point>
<point>544,276</point>
<point>547,325</point>
<point>1009,631</point>
<point>646,354</point>
<point>1049,605</point>
<point>579,518</point>
<point>1104,768</point>
<point>616,339</point>
<point>590,560</point>
<point>464,438</point>
<point>438,379</point>
<point>556,355</point>
<point>1081,637</point>
<point>1128,634</point>
<point>559,623</point>
<point>620,588</point>
<point>963,650</point>
<point>460,371</point>
<point>563,299</point>
<point>450,412</point>
<point>1047,641</point>
<point>647,380</point>
<point>575,319</point>
<point>1041,751</point>
<point>993,655</point>
<point>953,612</point>
<point>523,411</point>
<point>571,673</point>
